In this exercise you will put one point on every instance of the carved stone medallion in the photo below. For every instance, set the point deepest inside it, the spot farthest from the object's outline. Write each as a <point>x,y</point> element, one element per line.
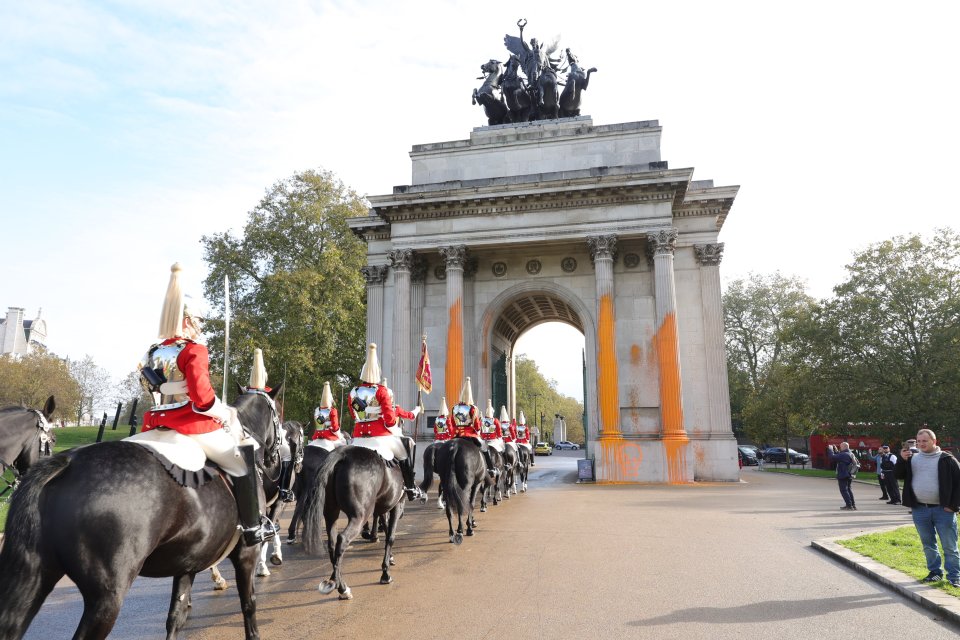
<point>568,264</point>
<point>533,267</point>
<point>440,272</point>
<point>631,260</point>
<point>499,269</point>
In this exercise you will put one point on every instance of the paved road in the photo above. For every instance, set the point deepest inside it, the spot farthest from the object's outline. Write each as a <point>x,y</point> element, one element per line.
<point>575,561</point>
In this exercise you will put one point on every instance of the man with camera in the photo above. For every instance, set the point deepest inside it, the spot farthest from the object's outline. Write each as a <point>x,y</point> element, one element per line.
<point>932,490</point>
<point>844,459</point>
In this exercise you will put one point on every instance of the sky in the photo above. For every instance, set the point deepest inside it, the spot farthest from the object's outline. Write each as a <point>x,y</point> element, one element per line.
<point>128,130</point>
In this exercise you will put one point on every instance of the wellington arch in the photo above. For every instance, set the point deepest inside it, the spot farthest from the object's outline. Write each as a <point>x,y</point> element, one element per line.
<point>563,220</point>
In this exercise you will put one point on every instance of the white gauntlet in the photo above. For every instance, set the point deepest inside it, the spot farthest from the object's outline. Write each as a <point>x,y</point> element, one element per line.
<point>222,413</point>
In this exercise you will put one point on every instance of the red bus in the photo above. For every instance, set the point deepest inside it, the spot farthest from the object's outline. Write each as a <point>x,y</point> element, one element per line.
<point>866,446</point>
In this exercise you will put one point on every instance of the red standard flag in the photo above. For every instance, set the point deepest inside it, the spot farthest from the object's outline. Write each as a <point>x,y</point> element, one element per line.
<point>424,377</point>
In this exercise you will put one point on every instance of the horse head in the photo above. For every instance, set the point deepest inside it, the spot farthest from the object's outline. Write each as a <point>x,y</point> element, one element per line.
<point>257,411</point>
<point>491,66</point>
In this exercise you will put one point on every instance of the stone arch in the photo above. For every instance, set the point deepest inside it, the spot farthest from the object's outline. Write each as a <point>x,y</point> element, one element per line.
<point>572,310</point>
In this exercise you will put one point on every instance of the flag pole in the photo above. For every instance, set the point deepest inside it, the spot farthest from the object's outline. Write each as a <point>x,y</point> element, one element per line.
<point>226,333</point>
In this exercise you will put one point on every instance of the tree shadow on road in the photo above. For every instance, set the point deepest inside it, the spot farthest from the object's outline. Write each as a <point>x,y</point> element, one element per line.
<point>767,611</point>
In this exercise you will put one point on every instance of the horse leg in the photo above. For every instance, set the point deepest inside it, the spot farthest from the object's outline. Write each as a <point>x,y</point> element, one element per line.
<point>276,558</point>
<point>22,597</point>
<point>262,569</point>
<point>219,582</point>
<point>244,558</point>
<point>294,521</point>
<point>393,517</point>
<point>102,599</point>
<point>343,541</point>
<point>471,522</point>
<point>179,603</point>
<point>330,584</point>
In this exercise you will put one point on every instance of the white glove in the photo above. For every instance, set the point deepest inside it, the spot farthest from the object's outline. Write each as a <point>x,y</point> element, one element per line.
<point>222,413</point>
<point>415,412</point>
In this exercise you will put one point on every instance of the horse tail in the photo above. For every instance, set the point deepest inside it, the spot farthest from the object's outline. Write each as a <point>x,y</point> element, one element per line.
<point>315,500</point>
<point>452,489</point>
<point>427,469</point>
<point>21,574</point>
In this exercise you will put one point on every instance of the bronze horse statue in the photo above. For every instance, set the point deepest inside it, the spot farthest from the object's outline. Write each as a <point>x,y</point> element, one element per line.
<point>515,92</point>
<point>577,81</point>
<point>489,95</point>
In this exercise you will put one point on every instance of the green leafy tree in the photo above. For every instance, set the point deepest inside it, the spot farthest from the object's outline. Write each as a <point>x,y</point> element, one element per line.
<point>537,393</point>
<point>886,348</point>
<point>93,383</point>
<point>296,289</point>
<point>30,380</point>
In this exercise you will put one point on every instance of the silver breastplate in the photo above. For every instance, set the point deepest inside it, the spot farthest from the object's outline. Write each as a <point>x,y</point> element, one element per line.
<point>364,403</point>
<point>521,431</point>
<point>172,392</point>
<point>322,418</point>
<point>461,415</point>
<point>440,424</point>
<point>487,426</point>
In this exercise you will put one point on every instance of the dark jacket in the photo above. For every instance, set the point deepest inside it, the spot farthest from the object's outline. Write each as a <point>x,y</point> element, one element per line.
<point>843,460</point>
<point>948,477</point>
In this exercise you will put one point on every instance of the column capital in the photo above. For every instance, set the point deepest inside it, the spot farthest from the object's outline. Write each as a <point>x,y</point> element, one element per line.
<point>708,255</point>
<point>401,259</point>
<point>455,256</point>
<point>662,241</point>
<point>603,247</point>
<point>471,266</point>
<point>375,274</point>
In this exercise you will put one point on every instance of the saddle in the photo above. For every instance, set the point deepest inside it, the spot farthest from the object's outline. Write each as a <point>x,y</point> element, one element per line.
<point>183,458</point>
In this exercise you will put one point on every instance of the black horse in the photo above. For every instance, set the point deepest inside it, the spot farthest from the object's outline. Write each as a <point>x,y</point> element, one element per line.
<point>429,469</point>
<point>304,485</point>
<point>523,466</point>
<point>64,520</point>
<point>511,464</point>
<point>293,432</point>
<point>462,472</point>
<point>24,434</point>
<point>356,481</point>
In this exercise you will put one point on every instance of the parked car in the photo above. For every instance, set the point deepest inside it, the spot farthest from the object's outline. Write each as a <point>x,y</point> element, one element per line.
<point>754,449</point>
<point>778,454</point>
<point>566,444</point>
<point>542,449</point>
<point>748,455</point>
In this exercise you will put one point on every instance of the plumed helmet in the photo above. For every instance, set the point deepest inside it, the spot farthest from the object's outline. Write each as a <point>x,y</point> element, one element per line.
<point>522,419</point>
<point>326,398</point>
<point>171,317</point>
<point>504,416</point>
<point>258,375</point>
<point>444,409</point>
<point>371,368</point>
<point>490,412</point>
<point>466,393</point>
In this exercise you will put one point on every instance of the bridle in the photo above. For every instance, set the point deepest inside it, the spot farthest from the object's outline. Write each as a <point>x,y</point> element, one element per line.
<point>43,428</point>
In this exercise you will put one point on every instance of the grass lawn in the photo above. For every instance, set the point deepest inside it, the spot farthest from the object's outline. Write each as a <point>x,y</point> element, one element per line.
<point>867,476</point>
<point>899,549</point>
<point>68,438</point>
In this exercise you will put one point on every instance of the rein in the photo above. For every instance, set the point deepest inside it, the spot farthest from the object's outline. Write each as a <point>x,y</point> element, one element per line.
<point>43,428</point>
<point>273,452</point>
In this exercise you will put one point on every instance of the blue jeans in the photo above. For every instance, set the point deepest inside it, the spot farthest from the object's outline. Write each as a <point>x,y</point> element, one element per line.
<point>934,521</point>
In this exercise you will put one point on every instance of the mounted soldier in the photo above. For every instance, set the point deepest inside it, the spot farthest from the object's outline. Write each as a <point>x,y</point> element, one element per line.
<point>258,383</point>
<point>510,435</point>
<point>326,423</point>
<point>465,421</point>
<point>490,429</point>
<point>523,437</point>
<point>176,373</point>
<point>441,427</point>
<point>377,421</point>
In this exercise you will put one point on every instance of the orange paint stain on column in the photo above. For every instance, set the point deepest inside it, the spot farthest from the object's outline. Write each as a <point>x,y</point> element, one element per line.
<point>620,460</point>
<point>675,441</point>
<point>607,379</point>
<point>453,370</point>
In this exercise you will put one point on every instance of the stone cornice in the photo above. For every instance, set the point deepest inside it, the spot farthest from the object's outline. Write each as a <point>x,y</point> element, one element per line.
<point>708,255</point>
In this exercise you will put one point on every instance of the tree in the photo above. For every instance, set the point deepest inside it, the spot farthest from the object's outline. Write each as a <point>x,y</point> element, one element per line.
<point>28,381</point>
<point>537,394</point>
<point>768,383</point>
<point>296,289</point>
<point>886,348</point>
<point>93,383</point>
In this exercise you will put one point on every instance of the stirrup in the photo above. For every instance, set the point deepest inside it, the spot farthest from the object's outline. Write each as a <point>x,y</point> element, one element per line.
<point>286,495</point>
<point>259,534</point>
<point>413,493</point>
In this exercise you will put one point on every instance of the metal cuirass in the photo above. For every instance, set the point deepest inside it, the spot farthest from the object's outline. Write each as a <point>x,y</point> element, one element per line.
<point>487,426</point>
<point>173,389</point>
<point>461,415</point>
<point>365,404</point>
<point>440,424</point>
<point>521,431</point>
<point>322,418</point>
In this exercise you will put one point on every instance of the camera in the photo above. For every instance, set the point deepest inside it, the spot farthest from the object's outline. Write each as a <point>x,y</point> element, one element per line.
<point>914,450</point>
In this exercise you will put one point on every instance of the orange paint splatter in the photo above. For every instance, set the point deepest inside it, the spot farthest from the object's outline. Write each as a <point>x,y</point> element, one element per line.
<point>635,355</point>
<point>675,441</point>
<point>620,460</point>
<point>453,370</point>
<point>608,382</point>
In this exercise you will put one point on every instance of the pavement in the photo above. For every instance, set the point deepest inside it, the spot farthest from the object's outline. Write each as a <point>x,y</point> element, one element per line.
<point>711,561</point>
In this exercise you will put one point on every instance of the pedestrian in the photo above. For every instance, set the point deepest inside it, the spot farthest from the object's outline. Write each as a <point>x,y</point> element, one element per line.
<point>883,487</point>
<point>931,489</point>
<point>888,477</point>
<point>844,460</point>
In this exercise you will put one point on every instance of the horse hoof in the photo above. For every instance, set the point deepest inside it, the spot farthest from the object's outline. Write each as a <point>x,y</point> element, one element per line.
<point>219,585</point>
<point>262,570</point>
<point>393,562</point>
<point>291,541</point>
<point>327,586</point>
<point>483,509</point>
<point>457,538</point>
<point>346,595</point>
<point>470,532</point>
<point>385,579</point>
<point>276,560</point>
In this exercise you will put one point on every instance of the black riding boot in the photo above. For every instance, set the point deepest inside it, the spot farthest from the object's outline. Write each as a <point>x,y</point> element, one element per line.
<point>286,470</point>
<point>255,527</point>
<point>409,479</point>
<point>488,460</point>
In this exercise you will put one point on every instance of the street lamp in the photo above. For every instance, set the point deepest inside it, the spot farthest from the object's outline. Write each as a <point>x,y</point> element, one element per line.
<point>535,414</point>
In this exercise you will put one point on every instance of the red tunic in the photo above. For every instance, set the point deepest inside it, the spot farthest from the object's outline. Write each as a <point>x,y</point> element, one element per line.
<point>497,431</point>
<point>511,434</point>
<point>388,416</point>
<point>526,436</point>
<point>194,362</point>
<point>333,432</point>
<point>470,431</point>
<point>446,434</point>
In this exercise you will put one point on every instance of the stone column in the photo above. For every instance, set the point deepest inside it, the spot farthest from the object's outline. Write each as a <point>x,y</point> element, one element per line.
<point>455,257</point>
<point>667,345</point>
<point>401,260</point>
<point>418,277</point>
<point>375,275</point>
<point>603,253</point>
<point>718,388</point>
